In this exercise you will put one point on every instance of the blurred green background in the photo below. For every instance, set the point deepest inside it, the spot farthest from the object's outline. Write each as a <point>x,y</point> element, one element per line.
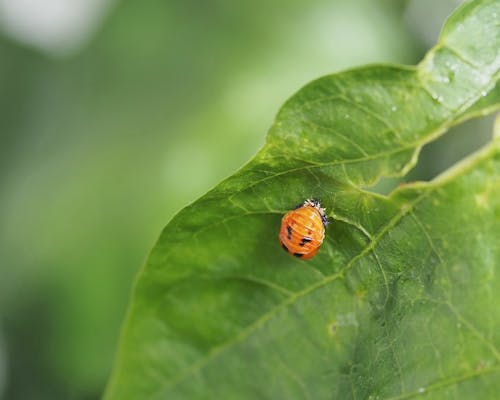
<point>116,114</point>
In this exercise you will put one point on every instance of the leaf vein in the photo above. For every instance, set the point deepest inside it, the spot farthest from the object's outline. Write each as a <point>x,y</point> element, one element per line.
<point>447,382</point>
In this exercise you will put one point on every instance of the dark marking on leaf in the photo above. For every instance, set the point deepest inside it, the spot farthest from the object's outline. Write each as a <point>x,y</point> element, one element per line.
<point>333,328</point>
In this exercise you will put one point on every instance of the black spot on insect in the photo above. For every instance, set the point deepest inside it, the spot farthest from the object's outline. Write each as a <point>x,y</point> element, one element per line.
<point>298,255</point>
<point>289,230</point>
<point>305,240</point>
<point>284,247</point>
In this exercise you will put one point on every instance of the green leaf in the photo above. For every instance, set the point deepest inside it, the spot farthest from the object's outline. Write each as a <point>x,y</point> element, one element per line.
<point>401,299</point>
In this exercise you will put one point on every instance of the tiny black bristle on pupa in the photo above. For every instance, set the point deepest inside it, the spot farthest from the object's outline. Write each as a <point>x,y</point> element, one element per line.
<point>324,219</point>
<point>284,247</point>
<point>289,232</point>
<point>298,255</point>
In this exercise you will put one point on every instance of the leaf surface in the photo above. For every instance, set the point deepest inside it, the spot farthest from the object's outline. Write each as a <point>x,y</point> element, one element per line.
<point>401,299</point>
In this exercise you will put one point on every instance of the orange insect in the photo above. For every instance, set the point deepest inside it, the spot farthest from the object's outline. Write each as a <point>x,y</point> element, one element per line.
<point>303,229</point>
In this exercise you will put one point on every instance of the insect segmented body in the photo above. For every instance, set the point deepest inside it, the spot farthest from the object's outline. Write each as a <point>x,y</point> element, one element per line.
<point>303,229</point>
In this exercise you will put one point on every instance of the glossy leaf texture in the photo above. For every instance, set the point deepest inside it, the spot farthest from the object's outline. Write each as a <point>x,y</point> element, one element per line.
<point>402,298</point>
